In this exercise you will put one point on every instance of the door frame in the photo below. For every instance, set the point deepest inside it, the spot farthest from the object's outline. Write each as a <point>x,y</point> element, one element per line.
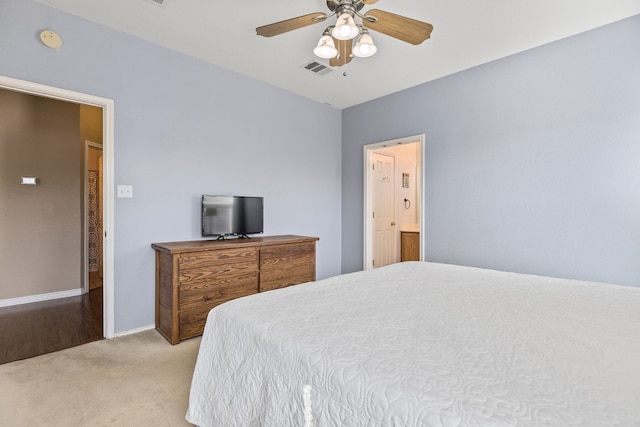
<point>107,105</point>
<point>367,232</point>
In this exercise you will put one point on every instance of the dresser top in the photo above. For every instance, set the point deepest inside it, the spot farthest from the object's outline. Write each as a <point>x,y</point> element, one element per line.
<point>210,245</point>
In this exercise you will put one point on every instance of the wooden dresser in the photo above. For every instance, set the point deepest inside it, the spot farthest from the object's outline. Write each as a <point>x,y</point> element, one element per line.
<point>193,277</point>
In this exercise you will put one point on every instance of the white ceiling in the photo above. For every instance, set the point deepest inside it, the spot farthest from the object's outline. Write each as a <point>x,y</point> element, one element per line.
<point>466,33</point>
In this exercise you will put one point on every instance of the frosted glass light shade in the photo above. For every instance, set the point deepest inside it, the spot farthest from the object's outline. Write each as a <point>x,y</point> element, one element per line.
<point>326,48</point>
<point>364,47</point>
<point>345,28</point>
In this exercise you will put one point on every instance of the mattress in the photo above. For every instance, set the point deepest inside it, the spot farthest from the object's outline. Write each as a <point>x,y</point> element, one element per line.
<point>423,344</point>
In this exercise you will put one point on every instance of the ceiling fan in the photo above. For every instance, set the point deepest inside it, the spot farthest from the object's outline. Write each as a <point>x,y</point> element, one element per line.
<point>336,43</point>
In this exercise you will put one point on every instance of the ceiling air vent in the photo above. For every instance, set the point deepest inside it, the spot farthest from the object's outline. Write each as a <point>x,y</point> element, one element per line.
<point>161,3</point>
<point>317,68</point>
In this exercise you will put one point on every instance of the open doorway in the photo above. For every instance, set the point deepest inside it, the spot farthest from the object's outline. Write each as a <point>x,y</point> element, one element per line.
<point>393,211</point>
<point>93,217</point>
<point>105,107</point>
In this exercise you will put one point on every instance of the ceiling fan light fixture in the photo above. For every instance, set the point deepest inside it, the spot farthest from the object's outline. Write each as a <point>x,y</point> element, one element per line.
<point>346,39</point>
<point>345,28</point>
<point>326,48</point>
<point>364,47</point>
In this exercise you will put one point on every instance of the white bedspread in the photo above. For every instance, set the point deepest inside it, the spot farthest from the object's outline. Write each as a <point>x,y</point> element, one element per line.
<point>423,344</point>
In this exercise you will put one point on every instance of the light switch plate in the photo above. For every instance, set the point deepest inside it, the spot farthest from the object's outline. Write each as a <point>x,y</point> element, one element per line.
<point>125,191</point>
<point>28,180</point>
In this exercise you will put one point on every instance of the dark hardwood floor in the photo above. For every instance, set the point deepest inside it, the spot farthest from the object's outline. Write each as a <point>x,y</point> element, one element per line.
<point>28,330</point>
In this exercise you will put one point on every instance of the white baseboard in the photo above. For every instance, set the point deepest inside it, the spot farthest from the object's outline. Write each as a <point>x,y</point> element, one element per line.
<point>134,331</point>
<point>40,297</point>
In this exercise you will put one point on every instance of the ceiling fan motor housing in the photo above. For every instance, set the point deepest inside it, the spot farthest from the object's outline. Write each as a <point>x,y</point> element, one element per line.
<point>342,6</point>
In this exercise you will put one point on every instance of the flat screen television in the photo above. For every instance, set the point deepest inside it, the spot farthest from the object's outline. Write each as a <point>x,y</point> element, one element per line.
<point>232,216</point>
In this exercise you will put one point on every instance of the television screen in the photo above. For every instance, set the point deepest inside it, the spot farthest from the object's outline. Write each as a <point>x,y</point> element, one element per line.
<point>232,215</point>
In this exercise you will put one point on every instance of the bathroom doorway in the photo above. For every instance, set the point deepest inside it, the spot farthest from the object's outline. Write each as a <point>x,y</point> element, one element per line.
<point>404,201</point>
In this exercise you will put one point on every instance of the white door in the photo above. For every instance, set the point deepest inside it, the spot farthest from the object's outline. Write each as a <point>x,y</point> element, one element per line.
<point>383,212</point>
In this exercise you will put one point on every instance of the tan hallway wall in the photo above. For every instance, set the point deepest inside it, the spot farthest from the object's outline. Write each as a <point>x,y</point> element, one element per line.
<point>40,226</point>
<point>91,124</point>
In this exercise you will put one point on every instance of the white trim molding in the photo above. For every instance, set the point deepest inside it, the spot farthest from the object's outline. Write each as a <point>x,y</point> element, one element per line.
<point>135,331</point>
<point>8,302</point>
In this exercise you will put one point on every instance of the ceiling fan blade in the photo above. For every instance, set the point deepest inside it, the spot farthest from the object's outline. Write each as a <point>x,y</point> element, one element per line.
<point>369,1</point>
<point>290,24</point>
<point>400,27</point>
<point>344,53</point>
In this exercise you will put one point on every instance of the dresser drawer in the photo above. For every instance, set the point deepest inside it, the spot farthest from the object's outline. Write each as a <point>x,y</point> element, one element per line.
<point>192,322</point>
<point>217,290</point>
<point>221,271</point>
<point>214,258</point>
<point>193,329</point>
<point>286,276</point>
<point>196,300</point>
<point>287,255</point>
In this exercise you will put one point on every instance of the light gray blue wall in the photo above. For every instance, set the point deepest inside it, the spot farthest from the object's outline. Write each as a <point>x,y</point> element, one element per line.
<point>532,162</point>
<point>182,128</point>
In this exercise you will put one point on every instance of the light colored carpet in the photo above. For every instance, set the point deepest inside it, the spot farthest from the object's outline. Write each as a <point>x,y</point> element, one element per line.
<point>134,380</point>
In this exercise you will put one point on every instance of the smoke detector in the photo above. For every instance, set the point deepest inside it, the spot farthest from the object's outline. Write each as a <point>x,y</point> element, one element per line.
<point>50,39</point>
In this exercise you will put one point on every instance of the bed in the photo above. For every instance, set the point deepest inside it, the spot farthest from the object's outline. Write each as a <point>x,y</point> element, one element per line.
<point>423,344</point>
